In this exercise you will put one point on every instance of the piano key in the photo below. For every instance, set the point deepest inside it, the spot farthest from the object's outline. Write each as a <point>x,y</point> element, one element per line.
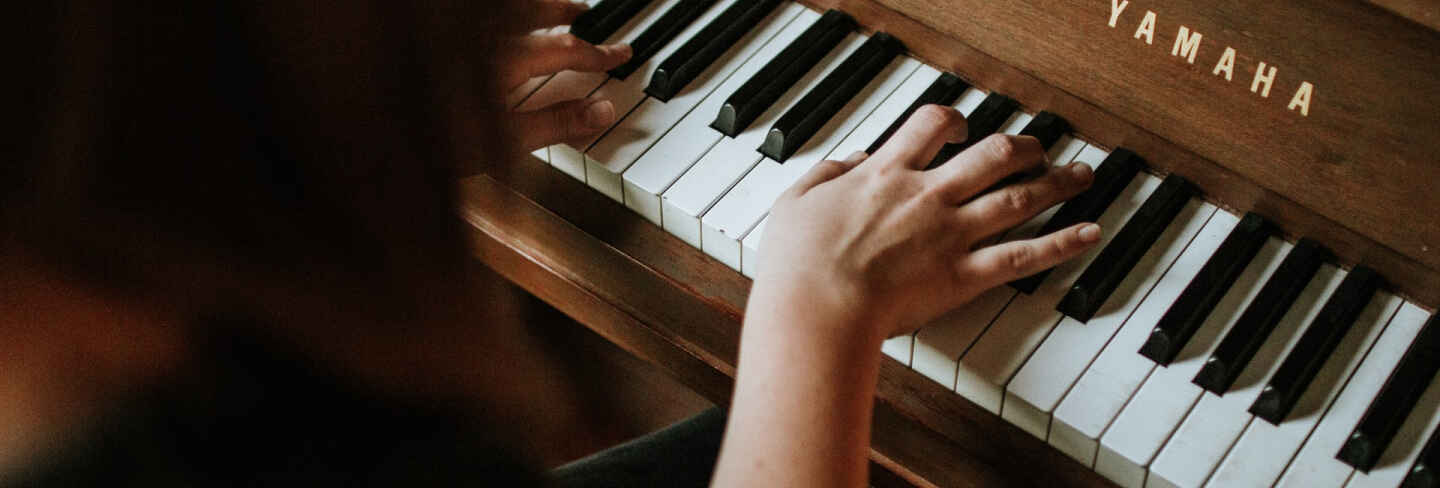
<point>1397,398</point>
<point>1423,474</point>
<point>742,207</point>
<point>1315,465</point>
<point>899,348</point>
<point>765,87</point>
<point>943,91</point>
<point>1317,346</point>
<point>1217,422</point>
<point>682,66</point>
<point>1255,325</point>
<point>750,249</point>
<point>625,94</point>
<point>1131,441</point>
<point>660,34</point>
<point>570,85</point>
<point>1047,128</point>
<point>800,122</point>
<point>1403,450</point>
<point>1263,451</point>
<point>1115,374</point>
<point>662,140</point>
<point>1131,242</point>
<point>1111,176</point>
<point>1184,317</point>
<point>1063,355</point>
<point>722,166</point>
<point>983,121</point>
<point>1000,351</point>
<point>605,18</point>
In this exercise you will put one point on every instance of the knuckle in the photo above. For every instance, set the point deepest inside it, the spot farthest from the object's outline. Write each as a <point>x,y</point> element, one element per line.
<point>1000,146</point>
<point>1018,259</point>
<point>1018,199</point>
<point>569,41</point>
<point>936,115</point>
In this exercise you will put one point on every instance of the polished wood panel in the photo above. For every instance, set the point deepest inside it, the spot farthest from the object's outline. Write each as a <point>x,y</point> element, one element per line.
<point>1372,205</point>
<point>666,302</point>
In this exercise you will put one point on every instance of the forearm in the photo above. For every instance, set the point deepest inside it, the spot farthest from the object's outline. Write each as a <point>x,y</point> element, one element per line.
<point>803,398</point>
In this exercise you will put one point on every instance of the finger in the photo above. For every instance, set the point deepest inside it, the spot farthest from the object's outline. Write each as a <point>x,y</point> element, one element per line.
<point>550,13</point>
<point>564,121</point>
<point>920,137</point>
<point>825,171</point>
<point>1012,205</point>
<point>544,54</point>
<point>1013,260</point>
<point>986,163</point>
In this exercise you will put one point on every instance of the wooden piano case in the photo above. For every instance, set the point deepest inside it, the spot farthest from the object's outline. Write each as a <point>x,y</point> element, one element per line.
<point>1338,144</point>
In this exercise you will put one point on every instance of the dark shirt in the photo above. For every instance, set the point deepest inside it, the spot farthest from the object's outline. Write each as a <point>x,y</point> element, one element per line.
<point>248,412</point>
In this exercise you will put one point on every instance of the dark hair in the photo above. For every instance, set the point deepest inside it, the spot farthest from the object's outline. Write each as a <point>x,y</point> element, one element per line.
<point>207,151</point>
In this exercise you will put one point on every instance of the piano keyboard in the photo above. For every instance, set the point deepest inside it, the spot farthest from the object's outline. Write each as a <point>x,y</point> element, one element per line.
<point>1192,347</point>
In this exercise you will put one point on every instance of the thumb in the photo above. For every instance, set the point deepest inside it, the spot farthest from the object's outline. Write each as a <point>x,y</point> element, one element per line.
<point>565,121</point>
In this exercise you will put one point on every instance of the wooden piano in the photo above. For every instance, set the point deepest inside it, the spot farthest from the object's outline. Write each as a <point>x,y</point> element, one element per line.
<point>1320,117</point>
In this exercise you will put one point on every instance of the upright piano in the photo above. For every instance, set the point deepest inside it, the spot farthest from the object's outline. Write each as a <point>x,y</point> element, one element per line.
<point>1259,313</point>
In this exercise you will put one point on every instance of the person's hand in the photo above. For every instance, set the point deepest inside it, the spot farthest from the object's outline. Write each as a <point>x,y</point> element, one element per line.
<point>539,54</point>
<point>894,246</point>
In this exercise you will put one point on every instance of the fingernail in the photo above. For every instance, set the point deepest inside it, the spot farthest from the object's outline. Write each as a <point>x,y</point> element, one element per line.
<point>600,114</point>
<point>1090,233</point>
<point>1081,171</point>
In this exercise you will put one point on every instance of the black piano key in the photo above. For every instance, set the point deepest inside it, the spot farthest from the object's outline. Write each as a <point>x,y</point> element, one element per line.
<point>602,20</point>
<point>1254,325</point>
<point>802,120</point>
<point>1195,303</point>
<point>767,85</point>
<point>1111,178</point>
<point>1397,398</point>
<point>1129,245</point>
<point>1046,127</point>
<point>943,91</point>
<point>698,53</point>
<point>1316,345</point>
<point>1422,474</point>
<point>660,33</point>
<point>986,119</point>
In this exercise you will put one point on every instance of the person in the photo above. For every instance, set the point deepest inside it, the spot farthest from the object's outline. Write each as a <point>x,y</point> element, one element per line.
<point>231,257</point>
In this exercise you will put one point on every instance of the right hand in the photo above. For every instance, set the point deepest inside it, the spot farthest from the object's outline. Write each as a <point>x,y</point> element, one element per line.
<point>892,246</point>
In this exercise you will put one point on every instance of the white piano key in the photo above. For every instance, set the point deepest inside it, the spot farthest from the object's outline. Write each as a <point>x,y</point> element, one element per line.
<point>1060,359</point>
<point>1400,456</point>
<point>1131,441</point>
<point>750,249</point>
<point>1216,422</point>
<point>657,167</point>
<point>899,348</point>
<point>989,364</point>
<point>1265,449</point>
<point>879,120</point>
<point>742,207</point>
<point>969,99</point>
<point>1118,371</point>
<point>1066,149</point>
<point>726,163</point>
<point>627,96</point>
<point>1315,465</point>
<point>573,85</point>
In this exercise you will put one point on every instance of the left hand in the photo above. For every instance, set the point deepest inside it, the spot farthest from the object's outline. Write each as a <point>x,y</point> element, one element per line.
<point>535,55</point>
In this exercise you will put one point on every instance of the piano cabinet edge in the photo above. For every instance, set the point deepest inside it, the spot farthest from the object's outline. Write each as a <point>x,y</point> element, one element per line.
<point>553,247</point>
<point>1407,277</point>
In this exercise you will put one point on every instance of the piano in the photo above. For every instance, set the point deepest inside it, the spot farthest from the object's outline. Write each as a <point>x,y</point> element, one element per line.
<point>1259,314</point>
